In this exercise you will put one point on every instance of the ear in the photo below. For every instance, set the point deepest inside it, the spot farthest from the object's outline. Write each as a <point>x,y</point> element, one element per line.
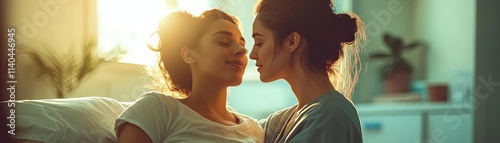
<point>293,41</point>
<point>188,55</point>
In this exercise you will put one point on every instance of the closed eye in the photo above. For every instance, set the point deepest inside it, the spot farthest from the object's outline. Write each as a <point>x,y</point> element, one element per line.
<point>223,44</point>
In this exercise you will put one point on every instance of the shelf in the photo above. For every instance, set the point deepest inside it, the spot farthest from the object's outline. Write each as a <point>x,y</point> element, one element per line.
<point>414,108</point>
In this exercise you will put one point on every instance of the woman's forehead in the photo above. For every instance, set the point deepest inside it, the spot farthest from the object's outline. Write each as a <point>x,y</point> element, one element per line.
<point>223,25</point>
<point>259,30</point>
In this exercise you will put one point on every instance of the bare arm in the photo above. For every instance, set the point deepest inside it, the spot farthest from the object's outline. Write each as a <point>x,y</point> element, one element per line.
<point>130,133</point>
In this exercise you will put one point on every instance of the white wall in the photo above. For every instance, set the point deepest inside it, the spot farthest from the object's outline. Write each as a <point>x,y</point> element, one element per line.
<point>53,24</point>
<point>447,26</point>
<point>381,16</point>
<point>120,81</point>
<point>62,26</point>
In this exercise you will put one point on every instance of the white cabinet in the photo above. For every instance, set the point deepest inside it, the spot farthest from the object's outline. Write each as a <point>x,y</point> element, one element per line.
<point>416,123</point>
<point>450,128</point>
<point>391,129</point>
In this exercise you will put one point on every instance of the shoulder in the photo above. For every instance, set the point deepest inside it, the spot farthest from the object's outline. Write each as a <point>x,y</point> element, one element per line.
<point>151,106</point>
<point>334,110</point>
<point>152,112</point>
<point>153,95</point>
<point>334,104</point>
<point>150,99</point>
<point>329,119</point>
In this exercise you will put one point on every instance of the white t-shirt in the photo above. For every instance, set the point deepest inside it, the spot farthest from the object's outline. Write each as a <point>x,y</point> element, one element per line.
<point>165,119</point>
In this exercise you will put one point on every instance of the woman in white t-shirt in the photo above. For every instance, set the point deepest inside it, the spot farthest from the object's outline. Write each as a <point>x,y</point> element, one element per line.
<point>199,58</point>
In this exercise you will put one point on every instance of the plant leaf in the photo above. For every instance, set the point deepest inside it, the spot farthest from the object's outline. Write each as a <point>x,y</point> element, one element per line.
<point>394,43</point>
<point>90,59</point>
<point>389,40</point>
<point>397,47</point>
<point>413,45</point>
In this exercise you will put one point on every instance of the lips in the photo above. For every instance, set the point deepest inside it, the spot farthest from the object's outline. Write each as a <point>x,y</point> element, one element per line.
<point>258,66</point>
<point>236,63</point>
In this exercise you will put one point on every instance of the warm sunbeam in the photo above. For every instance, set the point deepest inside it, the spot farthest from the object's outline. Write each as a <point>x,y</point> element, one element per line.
<point>195,7</point>
<point>128,25</point>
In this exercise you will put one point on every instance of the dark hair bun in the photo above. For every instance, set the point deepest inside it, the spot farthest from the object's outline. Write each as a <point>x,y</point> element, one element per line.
<point>347,28</point>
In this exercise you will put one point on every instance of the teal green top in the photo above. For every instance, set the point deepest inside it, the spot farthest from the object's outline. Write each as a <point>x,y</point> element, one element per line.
<point>330,118</point>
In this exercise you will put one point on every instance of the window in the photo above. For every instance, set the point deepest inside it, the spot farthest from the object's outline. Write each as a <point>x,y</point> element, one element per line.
<point>128,24</point>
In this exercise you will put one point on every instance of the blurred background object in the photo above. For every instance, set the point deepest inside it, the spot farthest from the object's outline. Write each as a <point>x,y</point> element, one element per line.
<point>397,72</point>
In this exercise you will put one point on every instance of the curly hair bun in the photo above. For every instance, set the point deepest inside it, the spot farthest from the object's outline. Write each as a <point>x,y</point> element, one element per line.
<point>347,27</point>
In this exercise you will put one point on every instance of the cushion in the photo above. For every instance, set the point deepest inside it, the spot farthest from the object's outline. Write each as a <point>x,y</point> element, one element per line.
<point>85,119</point>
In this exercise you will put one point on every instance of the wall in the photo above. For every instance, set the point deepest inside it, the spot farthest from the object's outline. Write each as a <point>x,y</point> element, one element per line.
<point>380,17</point>
<point>120,81</point>
<point>447,26</point>
<point>60,25</point>
<point>63,26</point>
<point>51,23</point>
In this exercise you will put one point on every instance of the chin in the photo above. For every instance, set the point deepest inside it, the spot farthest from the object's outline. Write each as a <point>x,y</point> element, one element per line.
<point>266,79</point>
<point>235,81</point>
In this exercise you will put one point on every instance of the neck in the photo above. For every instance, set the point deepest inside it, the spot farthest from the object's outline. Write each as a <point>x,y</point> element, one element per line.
<point>210,99</point>
<point>308,85</point>
<point>207,98</point>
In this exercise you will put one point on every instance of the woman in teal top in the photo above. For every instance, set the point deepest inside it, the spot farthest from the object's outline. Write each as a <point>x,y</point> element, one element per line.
<point>315,50</point>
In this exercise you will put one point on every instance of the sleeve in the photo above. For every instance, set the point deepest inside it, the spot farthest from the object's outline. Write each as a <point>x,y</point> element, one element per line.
<point>265,124</point>
<point>148,113</point>
<point>262,123</point>
<point>274,122</point>
<point>325,128</point>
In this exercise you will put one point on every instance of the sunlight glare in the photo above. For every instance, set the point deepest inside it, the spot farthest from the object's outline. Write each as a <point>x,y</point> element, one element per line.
<point>129,24</point>
<point>195,7</point>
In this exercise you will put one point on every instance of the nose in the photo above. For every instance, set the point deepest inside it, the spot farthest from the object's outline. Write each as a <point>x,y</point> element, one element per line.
<point>240,51</point>
<point>253,53</point>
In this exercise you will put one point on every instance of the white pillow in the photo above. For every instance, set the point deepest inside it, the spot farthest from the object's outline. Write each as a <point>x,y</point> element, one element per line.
<point>76,120</point>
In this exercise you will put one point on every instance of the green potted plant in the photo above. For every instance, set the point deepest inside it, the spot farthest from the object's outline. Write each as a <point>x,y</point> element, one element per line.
<point>64,72</point>
<point>397,72</point>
